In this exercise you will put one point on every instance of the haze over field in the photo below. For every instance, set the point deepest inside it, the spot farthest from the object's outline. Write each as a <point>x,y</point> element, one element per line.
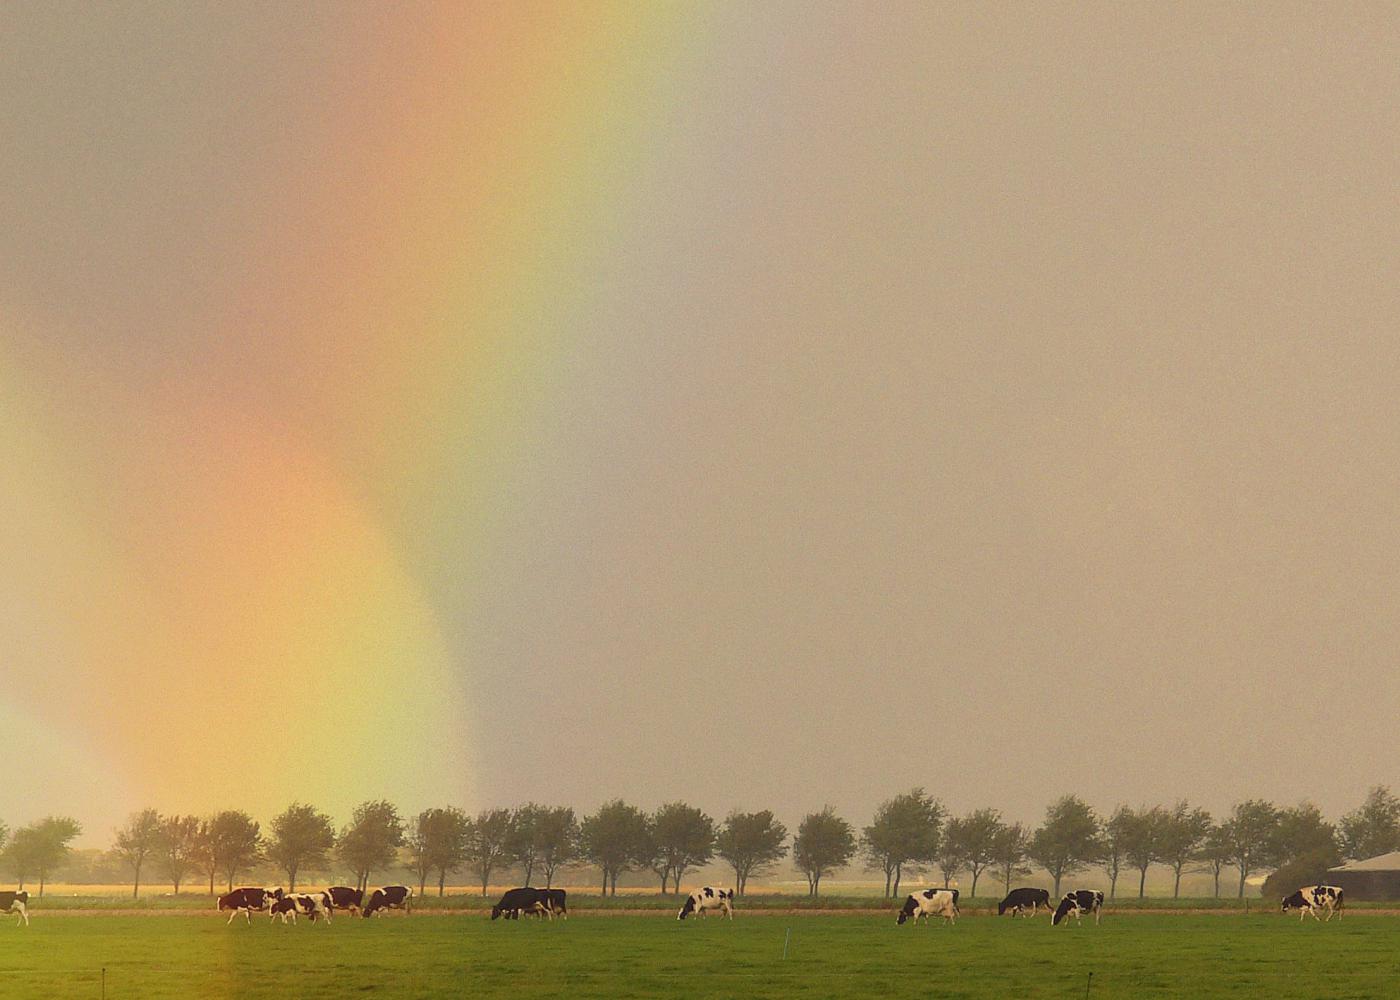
<point>767,407</point>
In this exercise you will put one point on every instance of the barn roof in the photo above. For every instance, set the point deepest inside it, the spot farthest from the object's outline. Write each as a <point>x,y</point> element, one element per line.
<point>1380,863</point>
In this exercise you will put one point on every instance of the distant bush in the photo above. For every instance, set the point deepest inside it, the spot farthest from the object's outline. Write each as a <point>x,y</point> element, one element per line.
<point>1309,869</point>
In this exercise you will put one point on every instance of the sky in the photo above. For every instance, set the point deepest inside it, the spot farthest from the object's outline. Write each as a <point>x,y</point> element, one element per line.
<point>764,406</point>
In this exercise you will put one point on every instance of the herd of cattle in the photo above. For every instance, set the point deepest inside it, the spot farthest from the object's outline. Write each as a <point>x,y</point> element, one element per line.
<point>550,903</point>
<point>313,905</point>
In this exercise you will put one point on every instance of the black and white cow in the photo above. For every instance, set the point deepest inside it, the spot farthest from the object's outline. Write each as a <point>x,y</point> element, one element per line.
<point>16,903</point>
<point>1025,900</point>
<point>1311,898</point>
<point>708,898</point>
<point>558,902</point>
<point>343,897</point>
<point>284,907</point>
<point>389,897</point>
<point>930,903</point>
<point>309,904</point>
<point>522,900</point>
<point>1078,901</point>
<point>248,900</point>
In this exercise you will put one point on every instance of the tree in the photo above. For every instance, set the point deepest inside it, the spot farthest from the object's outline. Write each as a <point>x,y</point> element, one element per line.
<point>1142,835</point>
<point>438,842</point>
<point>22,853</point>
<point>371,840</point>
<point>1250,835</point>
<point>615,839</point>
<point>489,839</point>
<point>556,840</point>
<point>1215,853</point>
<point>1181,838</point>
<point>1111,846</point>
<point>1374,827</point>
<point>229,842</point>
<point>905,831</point>
<point>824,843</point>
<point>1302,831</point>
<point>752,843</point>
<point>177,848</point>
<point>523,849</point>
<point>976,836</point>
<point>1068,840</point>
<point>682,837</point>
<point>135,841</point>
<point>949,858</point>
<point>301,836</point>
<point>40,847</point>
<point>1009,853</point>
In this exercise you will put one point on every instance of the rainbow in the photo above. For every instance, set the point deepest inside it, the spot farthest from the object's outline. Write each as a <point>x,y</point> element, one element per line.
<point>242,565</point>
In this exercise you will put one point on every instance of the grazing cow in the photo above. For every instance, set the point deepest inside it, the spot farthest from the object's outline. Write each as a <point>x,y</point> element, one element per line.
<point>522,900</point>
<point>1019,901</point>
<point>557,901</point>
<point>1311,898</point>
<point>309,904</point>
<point>16,903</point>
<point>1079,901</point>
<point>246,901</point>
<point>930,903</point>
<point>708,898</point>
<point>389,897</point>
<point>345,898</point>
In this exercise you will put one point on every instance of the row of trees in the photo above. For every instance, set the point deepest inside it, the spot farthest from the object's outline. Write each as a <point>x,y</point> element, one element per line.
<point>910,834</point>
<point>912,831</point>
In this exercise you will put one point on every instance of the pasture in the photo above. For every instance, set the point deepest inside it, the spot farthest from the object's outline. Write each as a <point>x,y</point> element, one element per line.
<point>175,954</point>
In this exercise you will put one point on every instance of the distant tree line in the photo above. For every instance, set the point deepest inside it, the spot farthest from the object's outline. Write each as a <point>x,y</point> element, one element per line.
<point>912,834</point>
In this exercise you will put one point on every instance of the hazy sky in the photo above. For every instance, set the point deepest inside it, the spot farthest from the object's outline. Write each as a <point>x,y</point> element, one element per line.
<point>766,406</point>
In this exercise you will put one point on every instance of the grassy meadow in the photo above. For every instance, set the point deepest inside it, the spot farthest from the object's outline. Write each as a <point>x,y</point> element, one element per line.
<point>596,955</point>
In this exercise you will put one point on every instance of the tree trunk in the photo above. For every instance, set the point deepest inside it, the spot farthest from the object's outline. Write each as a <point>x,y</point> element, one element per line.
<point>211,883</point>
<point>42,876</point>
<point>1142,883</point>
<point>1113,885</point>
<point>1217,882</point>
<point>605,881</point>
<point>898,874</point>
<point>422,881</point>
<point>1058,875</point>
<point>1176,888</point>
<point>614,883</point>
<point>136,882</point>
<point>889,874</point>
<point>975,873</point>
<point>1243,872</point>
<point>442,880</point>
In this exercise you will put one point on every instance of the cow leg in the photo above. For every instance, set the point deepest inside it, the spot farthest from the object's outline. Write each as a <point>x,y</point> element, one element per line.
<point>231,917</point>
<point>24,912</point>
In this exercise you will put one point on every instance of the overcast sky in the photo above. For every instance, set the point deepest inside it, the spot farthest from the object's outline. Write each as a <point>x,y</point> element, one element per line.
<point>1004,400</point>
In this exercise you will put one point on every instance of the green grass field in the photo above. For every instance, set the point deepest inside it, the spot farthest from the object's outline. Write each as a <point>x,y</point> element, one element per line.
<point>596,955</point>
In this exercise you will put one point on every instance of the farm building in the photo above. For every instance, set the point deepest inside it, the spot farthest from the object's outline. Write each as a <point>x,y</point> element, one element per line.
<point>1373,878</point>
